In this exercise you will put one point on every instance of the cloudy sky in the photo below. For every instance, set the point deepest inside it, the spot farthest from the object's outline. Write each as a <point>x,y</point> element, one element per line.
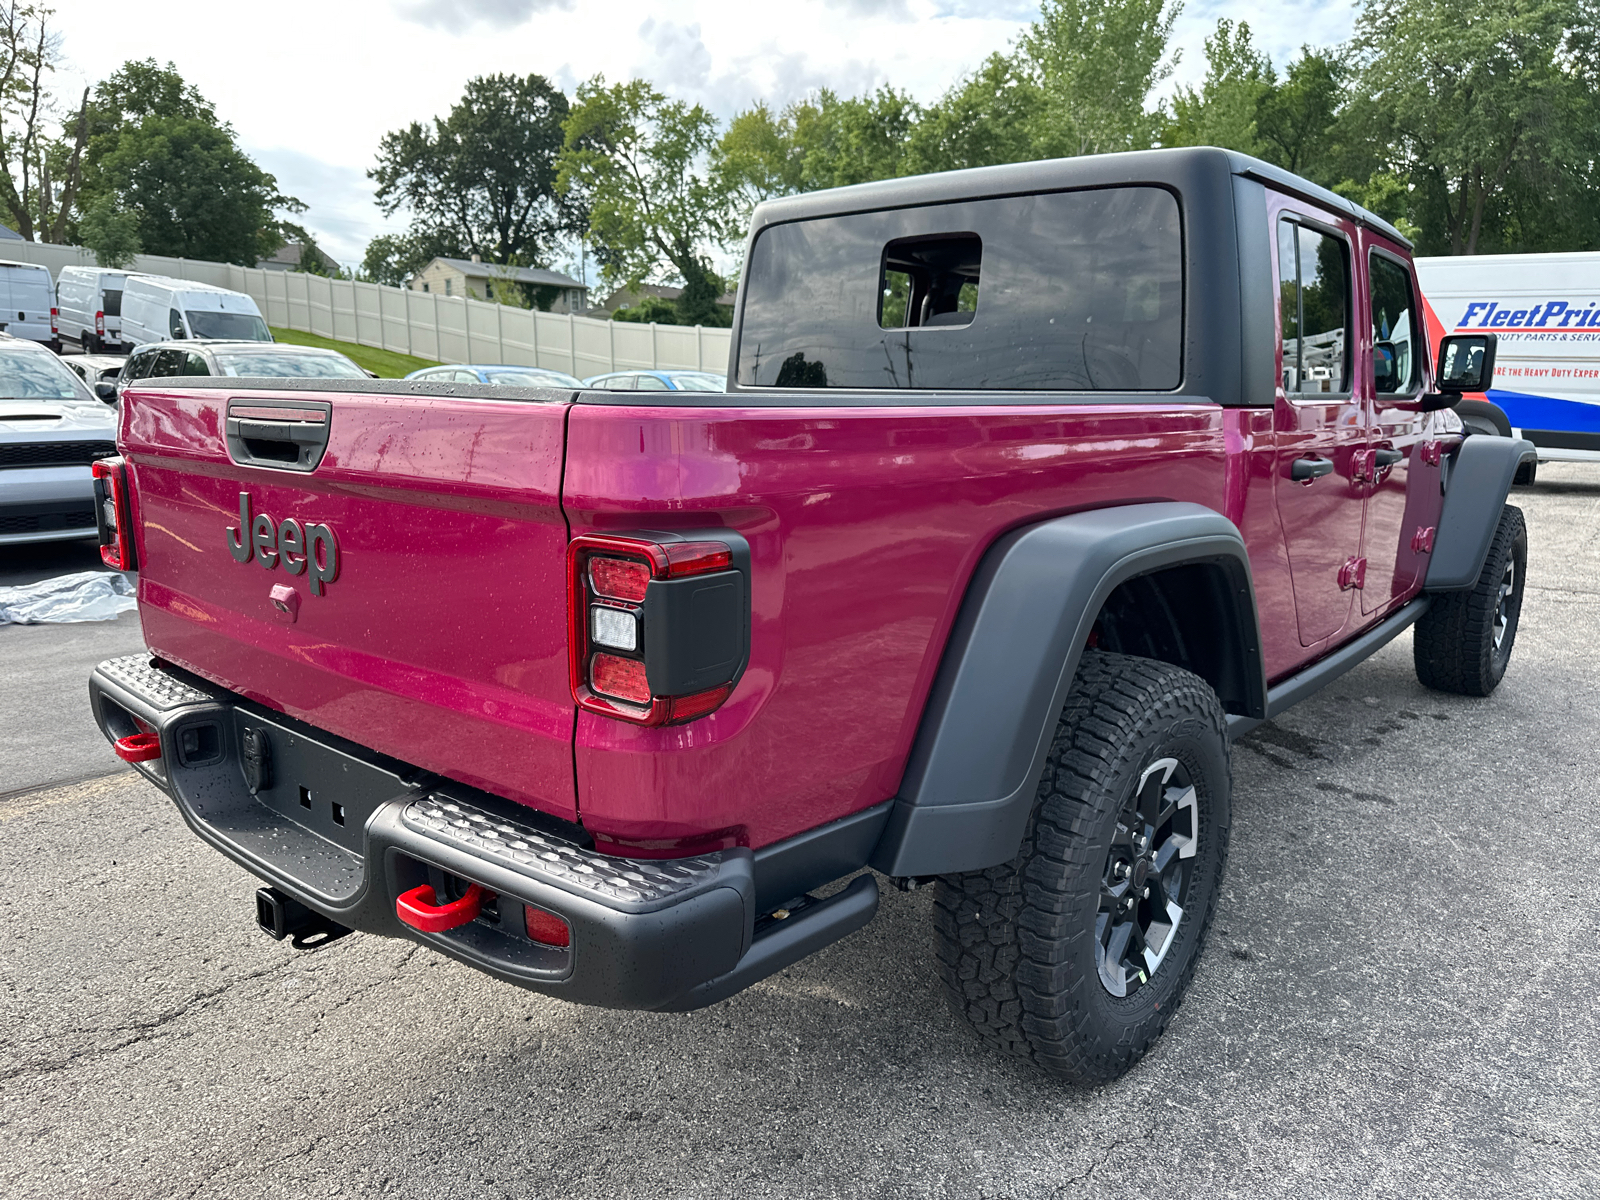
<point>311,86</point>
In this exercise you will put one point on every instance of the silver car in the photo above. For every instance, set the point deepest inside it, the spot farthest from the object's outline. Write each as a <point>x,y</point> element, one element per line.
<point>51,428</point>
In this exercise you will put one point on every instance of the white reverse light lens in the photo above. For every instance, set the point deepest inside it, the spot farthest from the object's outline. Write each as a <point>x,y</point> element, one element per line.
<point>614,628</point>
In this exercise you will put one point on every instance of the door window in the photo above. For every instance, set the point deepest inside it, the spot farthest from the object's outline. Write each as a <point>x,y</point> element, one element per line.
<point>167,362</point>
<point>1394,335</point>
<point>194,364</point>
<point>649,383</point>
<point>1314,308</point>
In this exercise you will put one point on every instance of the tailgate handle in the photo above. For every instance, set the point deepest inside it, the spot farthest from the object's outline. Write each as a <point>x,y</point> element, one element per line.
<point>417,908</point>
<point>288,435</point>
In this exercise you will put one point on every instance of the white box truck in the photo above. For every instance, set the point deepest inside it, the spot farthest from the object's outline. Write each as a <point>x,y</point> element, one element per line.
<point>1545,311</point>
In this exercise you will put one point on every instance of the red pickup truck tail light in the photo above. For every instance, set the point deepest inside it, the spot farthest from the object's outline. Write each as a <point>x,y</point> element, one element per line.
<point>113,513</point>
<point>659,625</point>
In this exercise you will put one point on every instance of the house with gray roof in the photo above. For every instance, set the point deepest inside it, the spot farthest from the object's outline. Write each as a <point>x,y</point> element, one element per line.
<point>476,280</point>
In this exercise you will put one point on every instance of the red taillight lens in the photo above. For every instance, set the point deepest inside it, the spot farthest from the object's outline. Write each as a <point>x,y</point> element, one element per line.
<point>55,315</point>
<point>623,678</point>
<point>100,323</point>
<point>619,578</point>
<point>546,928</point>
<point>637,600</point>
<point>113,513</point>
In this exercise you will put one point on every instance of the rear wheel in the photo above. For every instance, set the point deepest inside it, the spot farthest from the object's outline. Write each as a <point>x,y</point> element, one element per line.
<point>1076,954</point>
<point>1463,642</point>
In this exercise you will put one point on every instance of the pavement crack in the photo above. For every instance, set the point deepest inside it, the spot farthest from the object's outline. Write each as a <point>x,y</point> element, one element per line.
<point>140,1030</point>
<point>1106,1155</point>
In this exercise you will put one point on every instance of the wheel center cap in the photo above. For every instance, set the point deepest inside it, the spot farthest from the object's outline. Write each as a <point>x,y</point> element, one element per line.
<point>1141,872</point>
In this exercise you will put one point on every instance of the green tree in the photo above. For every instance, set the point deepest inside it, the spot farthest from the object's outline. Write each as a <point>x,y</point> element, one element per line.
<point>987,118</point>
<point>1297,121</point>
<point>1096,62</point>
<point>655,205</point>
<point>1477,104</point>
<point>482,180</point>
<point>111,232</point>
<point>393,258</point>
<point>1224,110</point>
<point>39,175</point>
<point>856,140</point>
<point>157,151</point>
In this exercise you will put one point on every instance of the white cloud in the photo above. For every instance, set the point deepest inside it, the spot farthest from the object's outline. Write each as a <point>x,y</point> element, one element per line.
<point>458,16</point>
<point>315,121</point>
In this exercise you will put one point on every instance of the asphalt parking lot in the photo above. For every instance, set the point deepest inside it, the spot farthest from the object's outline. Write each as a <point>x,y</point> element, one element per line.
<point>1400,998</point>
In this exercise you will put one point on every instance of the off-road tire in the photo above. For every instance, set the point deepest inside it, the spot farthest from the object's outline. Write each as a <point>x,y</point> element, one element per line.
<point>1454,645</point>
<point>1016,944</point>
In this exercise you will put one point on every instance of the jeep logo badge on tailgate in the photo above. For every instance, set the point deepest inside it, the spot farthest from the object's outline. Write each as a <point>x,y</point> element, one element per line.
<point>298,547</point>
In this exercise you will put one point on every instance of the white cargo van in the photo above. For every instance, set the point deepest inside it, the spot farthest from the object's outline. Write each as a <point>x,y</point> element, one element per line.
<point>28,303</point>
<point>1545,311</point>
<point>90,303</point>
<point>157,308</point>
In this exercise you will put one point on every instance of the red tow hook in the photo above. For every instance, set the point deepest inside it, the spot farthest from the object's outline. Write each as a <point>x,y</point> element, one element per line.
<point>419,909</point>
<point>138,747</point>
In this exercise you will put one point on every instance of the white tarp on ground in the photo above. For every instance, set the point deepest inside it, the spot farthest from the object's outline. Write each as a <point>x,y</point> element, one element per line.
<point>82,596</point>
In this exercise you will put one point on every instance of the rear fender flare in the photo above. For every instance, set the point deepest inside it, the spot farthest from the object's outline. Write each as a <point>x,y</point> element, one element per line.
<point>1476,487</point>
<point>974,768</point>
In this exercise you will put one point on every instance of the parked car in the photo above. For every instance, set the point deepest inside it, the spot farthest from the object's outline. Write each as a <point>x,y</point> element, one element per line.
<point>498,375</point>
<point>93,368</point>
<point>28,304</point>
<point>89,300</point>
<point>51,429</point>
<point>236,359</point>
<point>1035,486</point>
<point>658,381</point>
<point>156,308</point>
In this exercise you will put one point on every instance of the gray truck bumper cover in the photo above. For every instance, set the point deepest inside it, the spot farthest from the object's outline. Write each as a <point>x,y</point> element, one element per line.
<point>345,833</point>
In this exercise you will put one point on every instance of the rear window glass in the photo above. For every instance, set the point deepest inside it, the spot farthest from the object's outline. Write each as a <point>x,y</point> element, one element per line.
<point>1074,291</point>
<point>283,365</point>
<point>238,327</point>
<point>111,302</point>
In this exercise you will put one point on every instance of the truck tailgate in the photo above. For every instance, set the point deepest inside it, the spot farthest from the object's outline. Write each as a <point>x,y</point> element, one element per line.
<point>438,636</point>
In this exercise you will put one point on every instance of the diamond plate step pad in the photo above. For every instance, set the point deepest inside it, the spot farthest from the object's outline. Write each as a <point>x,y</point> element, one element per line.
<point>539,855</point>
<point>136,674</point>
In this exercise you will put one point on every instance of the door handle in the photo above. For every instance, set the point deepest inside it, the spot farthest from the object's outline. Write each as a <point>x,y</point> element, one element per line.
<point>1388,458</point>
<point>1304,470</point>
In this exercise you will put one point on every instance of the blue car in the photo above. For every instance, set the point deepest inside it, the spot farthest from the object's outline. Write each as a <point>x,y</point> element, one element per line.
<point>659,381</point>
<point>499,375</point>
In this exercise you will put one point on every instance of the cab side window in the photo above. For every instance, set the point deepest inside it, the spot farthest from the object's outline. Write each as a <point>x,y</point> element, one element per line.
<point>1314,307</point>
<point>1395,340</point>
<point>139,365</point>
<point>167,362</point>
<point>195,364</point>
<point>649,383</point>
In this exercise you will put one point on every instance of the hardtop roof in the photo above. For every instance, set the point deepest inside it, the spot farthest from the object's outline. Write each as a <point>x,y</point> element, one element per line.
<point>1161,167</point>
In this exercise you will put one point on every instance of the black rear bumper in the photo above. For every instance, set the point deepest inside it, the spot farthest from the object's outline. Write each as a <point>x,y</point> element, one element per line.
<point>346,832</point>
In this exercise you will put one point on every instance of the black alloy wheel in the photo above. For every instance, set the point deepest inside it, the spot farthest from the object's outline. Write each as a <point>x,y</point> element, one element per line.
<point>1145,887</point>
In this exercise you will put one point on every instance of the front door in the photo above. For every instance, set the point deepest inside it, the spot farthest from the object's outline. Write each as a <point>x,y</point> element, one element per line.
<point>1320,431</point>
<point>1402,470</point>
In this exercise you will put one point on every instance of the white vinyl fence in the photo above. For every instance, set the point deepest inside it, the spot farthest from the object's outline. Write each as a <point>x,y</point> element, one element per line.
<point>450,329</point>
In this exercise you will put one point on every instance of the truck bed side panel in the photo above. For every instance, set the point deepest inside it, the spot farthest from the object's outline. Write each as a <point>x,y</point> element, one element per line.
<point>442,642</point>
<point>864,526</point>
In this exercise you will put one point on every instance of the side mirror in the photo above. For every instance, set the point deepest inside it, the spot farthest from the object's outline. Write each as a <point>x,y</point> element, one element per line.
<point>1466,362</point>
<point>1384,367</point>
<point>106,390</point>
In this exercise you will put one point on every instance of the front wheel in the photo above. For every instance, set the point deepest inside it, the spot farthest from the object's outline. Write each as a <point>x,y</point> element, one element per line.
<point>1076,954</point>
<point>1463,642</point>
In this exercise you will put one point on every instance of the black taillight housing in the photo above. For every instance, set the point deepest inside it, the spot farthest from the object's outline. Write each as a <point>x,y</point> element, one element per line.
<point>659,623</point>
<point>113,513</point>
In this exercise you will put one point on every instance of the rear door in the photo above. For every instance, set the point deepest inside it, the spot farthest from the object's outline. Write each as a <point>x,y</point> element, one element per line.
<point>402,585</point>
<point>1318,418</point>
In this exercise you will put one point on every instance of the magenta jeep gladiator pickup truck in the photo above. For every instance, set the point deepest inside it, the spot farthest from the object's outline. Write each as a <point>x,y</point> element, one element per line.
<point>1032,487</point>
